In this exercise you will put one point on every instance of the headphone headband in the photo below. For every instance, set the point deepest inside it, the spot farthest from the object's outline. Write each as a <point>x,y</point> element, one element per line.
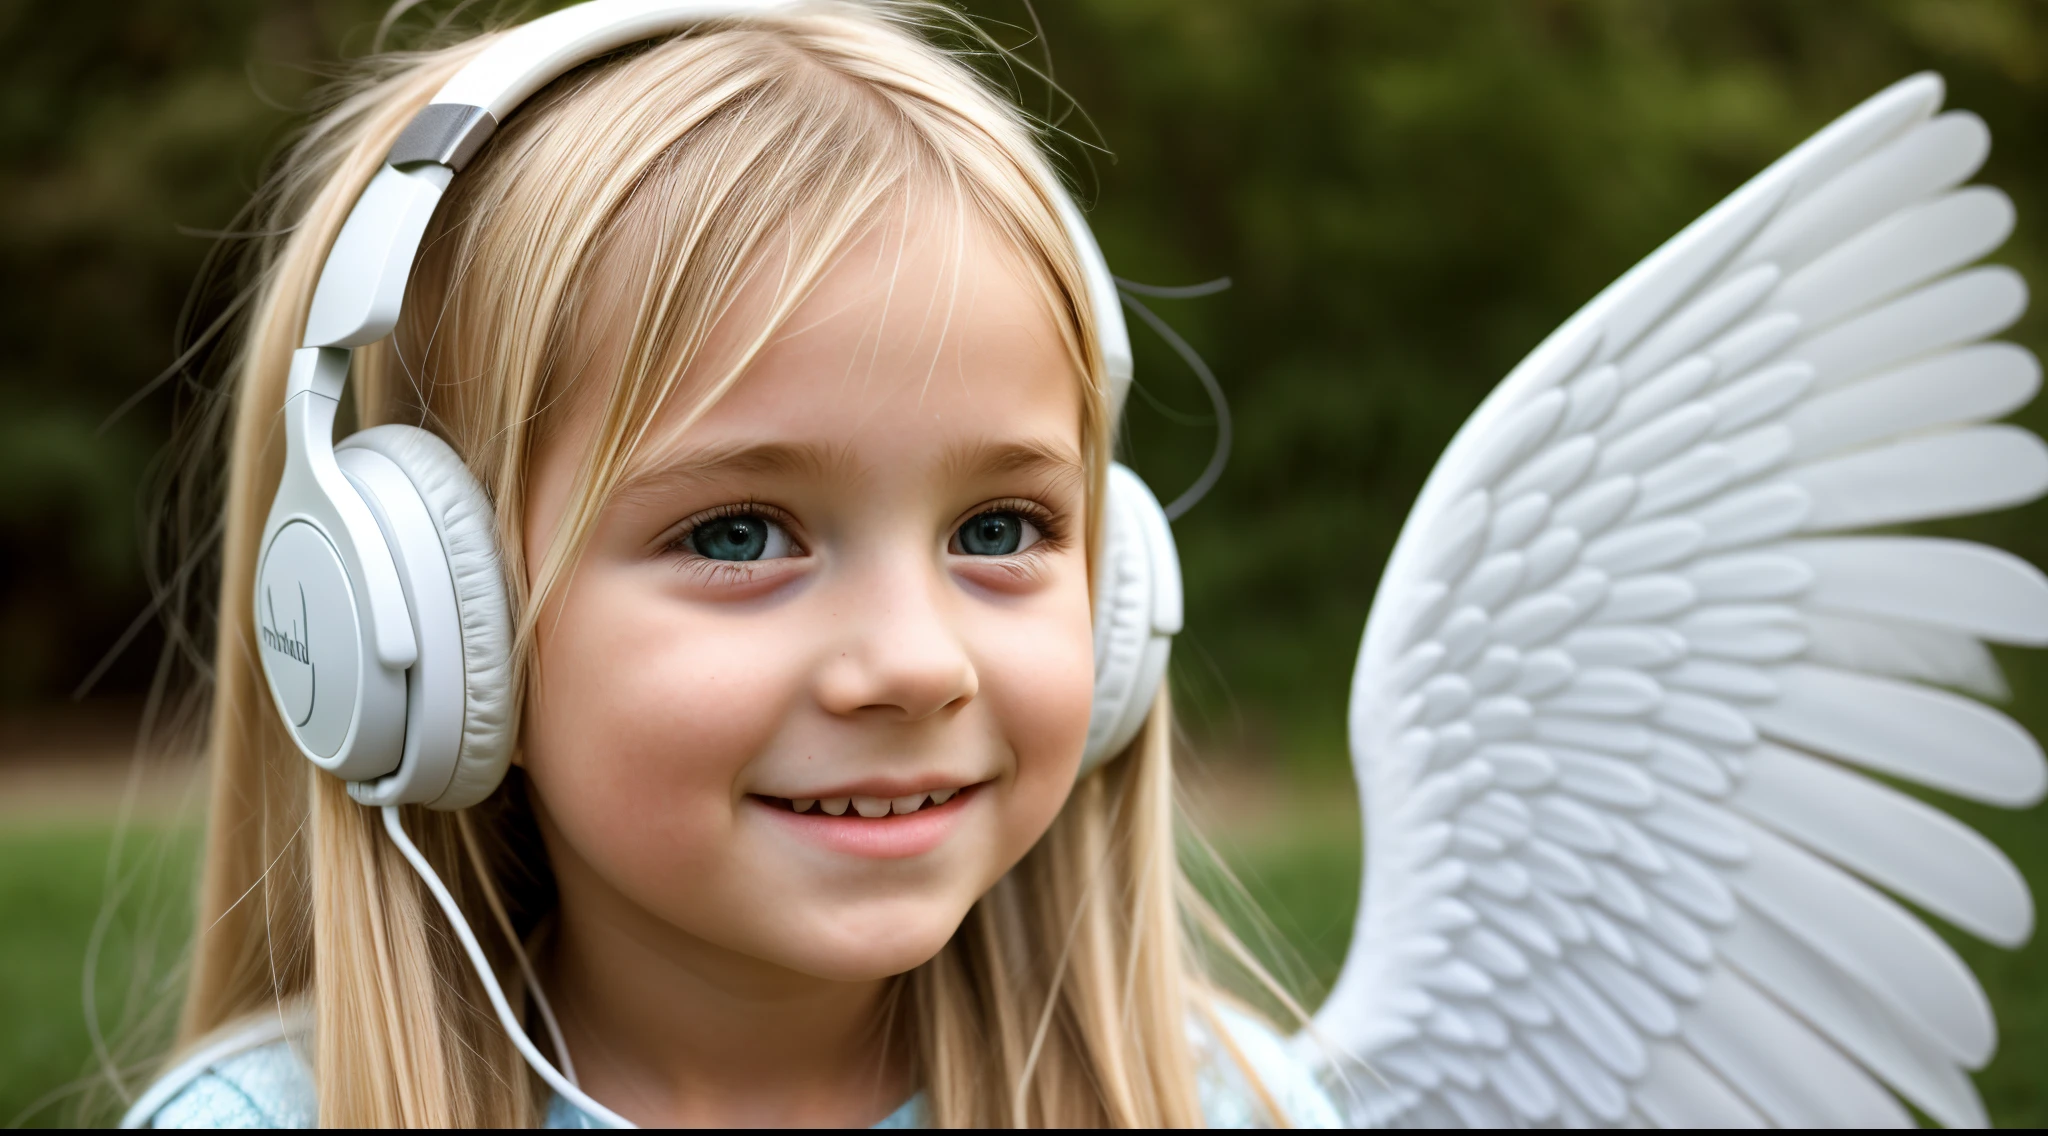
<point>362,283</point>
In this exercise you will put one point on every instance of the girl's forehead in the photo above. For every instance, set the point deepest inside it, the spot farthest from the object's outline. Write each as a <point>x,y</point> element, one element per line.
<point>936,341</point>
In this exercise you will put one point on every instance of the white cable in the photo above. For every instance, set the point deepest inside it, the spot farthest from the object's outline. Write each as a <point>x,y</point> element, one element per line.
<point>547,1014</point>
<point>541,1065</point>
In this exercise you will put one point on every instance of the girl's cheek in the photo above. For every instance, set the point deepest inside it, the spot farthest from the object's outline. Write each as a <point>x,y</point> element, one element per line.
<point>1041,686</point>
<point>643,718</point>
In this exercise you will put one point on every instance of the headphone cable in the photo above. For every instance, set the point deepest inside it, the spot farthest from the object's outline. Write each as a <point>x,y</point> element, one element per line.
<point>567,1089</point>
<point>1220,456</point>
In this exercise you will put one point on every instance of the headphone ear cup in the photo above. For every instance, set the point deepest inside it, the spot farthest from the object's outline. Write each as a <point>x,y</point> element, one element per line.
<point>472,684</point>
<point>1137,614</point>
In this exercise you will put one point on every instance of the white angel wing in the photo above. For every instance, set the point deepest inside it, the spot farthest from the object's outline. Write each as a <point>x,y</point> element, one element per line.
<point>1626,672</point>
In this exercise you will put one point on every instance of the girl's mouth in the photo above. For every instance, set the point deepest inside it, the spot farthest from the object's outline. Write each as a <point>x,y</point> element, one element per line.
<point>886,828</point>
<point>870,808</point>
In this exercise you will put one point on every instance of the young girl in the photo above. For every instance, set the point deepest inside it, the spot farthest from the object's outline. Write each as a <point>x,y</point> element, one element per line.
<point>773,350</point>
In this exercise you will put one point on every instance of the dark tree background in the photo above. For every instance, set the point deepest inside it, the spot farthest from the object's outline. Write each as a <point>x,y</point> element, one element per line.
<point>1408,196</point>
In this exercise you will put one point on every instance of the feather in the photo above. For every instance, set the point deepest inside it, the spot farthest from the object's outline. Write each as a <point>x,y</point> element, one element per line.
<point>1929,736</point>
<point>1926,160</point>
<point>1759,396</point>
<point>1811,986</point>
<point>1582,1076</point>
<point>1701,319</point>
<point>1749,632</point>
<point>1492,581</point>
<point>1679,1092</point>
<point>1686,767</point>
<point>1722,680</point>
<point>1684,480</point>
<point>1753,342</point>
<point>1750,576</point>
<point>1478,1110</point>
<point>1591,1021</point>
<point>1644,294</point>
<point>1554,471</point>
<point>1646,599</point>
<point>1634,849</point>
<point>1544,671</point>
<point>1518,435</point>
<point>1792,1076</point>
<point>1663,392</point>
<point>1879,119</point>
<point>1903,650</point>
<point>1454,540</point>
<point>1516,521</point>
<point>1954,473</point>
<point>1607,692</point>
<point>1750,516</point>
<point>1970,384</point>
<point>1522,1085</point>
<point>1890,954</point>
<point>1960,309</point>
<point>1908,847</point>
<point>1593,396</point>
<point>1660,438</point>
<point>1519,767</point>
<point>1903,251</point>
<point>1969,588</point>
<point>1633,646</point>
<point>1645,547</point>
<point>1590,509</point>
<point>1643,1004</point>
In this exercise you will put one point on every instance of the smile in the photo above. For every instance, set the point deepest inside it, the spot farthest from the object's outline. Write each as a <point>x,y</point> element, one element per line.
<point>877,827</point>
<point>873,808</point>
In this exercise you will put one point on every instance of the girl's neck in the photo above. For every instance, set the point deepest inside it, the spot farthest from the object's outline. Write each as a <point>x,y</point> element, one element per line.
<point>670,1030</point>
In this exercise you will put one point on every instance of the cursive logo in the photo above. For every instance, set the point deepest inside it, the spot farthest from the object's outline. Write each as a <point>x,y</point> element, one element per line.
<point>292,644</point>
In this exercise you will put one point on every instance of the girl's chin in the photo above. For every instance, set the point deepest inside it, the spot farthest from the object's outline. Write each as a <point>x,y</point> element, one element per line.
<point>867,951</point>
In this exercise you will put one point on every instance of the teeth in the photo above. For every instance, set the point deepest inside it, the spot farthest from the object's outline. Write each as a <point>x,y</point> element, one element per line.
<point>834,805</point>
<point>941,796</point>
<point>871,806</point>
<point>802,805</point>
<point>908,804</point>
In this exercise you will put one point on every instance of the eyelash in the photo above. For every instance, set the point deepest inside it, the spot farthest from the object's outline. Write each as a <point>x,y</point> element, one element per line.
<point>1052,531</point>
<point>1052,535</point>
<point>727,571</point>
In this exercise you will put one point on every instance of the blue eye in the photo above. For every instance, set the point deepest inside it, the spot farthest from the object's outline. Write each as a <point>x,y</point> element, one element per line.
<point>744,536</point>
<point>997,532</point>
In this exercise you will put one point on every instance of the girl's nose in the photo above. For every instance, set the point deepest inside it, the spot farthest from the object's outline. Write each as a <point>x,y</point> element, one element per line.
<point>902,658</point>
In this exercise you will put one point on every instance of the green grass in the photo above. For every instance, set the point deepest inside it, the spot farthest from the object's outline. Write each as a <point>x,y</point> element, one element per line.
<point>53,880</point>
<point>1304,879</point>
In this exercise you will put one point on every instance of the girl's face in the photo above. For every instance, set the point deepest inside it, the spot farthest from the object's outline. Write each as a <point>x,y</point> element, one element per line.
<point>823,674</point>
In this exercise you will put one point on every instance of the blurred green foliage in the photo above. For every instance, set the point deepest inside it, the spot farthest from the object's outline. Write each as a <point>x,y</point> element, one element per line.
<point>1407,195</point>
<point>94,934</point>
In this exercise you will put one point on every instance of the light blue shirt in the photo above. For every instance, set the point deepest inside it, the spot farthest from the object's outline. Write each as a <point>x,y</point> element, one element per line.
<point>269,1086</point>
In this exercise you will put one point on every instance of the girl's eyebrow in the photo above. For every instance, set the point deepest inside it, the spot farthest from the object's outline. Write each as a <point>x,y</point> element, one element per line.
<point>1058,463</point>
<point>716,463</point>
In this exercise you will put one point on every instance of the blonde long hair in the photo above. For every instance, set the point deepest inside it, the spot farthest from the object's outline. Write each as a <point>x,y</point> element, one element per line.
<point>1065,997</point>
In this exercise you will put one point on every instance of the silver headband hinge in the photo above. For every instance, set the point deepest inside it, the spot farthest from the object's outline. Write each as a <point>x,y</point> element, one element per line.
<point>448,134</point>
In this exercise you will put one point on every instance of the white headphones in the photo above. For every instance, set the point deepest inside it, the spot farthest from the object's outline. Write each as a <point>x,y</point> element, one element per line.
<point>380,601</point>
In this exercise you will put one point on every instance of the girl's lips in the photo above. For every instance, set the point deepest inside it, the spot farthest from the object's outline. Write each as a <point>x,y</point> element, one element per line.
<point>893,837</point>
